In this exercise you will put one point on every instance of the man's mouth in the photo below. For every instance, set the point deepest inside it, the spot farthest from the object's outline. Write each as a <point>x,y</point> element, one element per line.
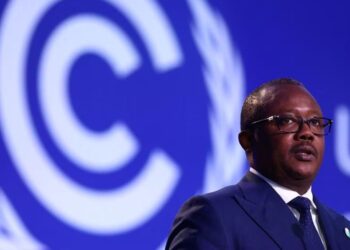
<point>305,152</point>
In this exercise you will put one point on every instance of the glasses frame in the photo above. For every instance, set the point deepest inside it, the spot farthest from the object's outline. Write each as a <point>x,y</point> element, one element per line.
<point>300,120</point>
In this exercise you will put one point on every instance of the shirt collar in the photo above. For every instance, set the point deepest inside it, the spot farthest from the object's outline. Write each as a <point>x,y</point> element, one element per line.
<point>285,193</point>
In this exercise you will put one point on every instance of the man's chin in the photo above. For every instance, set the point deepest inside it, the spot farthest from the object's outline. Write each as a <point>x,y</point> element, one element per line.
<point>303,171</point>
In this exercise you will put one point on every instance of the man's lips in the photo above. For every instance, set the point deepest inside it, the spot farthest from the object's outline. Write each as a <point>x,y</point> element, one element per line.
<point>304,152</point>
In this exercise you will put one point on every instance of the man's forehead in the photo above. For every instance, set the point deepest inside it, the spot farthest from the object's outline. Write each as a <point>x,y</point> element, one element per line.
<point>285,96</point>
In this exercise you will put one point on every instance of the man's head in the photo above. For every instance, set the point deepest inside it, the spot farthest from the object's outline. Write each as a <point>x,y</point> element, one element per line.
<point>290,157</point>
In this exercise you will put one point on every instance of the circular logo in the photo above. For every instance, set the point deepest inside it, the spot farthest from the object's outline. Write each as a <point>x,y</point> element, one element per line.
<point>104,116</point>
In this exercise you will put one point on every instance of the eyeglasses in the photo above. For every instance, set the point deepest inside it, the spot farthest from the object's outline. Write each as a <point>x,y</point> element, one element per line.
<point>291,124</point>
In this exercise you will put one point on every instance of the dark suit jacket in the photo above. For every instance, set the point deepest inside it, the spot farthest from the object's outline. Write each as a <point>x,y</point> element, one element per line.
<point>249,215</point>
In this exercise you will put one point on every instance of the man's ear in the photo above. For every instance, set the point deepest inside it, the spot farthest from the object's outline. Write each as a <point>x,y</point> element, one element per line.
<point>245,139</point>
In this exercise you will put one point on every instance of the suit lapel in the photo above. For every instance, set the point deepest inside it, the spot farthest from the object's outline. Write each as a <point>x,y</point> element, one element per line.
<point>327,226</point>
<point>269,211</point>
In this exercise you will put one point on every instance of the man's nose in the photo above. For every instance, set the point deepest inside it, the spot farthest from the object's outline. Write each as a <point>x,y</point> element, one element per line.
<point>305,133</point>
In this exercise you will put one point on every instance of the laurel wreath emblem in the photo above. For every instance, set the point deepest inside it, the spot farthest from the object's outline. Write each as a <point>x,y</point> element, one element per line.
<point>223,73</point>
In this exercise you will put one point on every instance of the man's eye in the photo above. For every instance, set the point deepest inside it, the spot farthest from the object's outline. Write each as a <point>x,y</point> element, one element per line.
<point>285,121</point>
<point>316,122</point>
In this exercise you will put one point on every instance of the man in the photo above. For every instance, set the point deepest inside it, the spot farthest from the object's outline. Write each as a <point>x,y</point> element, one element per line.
<point>273,206</point>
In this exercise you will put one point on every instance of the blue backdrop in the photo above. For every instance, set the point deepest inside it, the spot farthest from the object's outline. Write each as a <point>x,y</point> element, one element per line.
<point>113,113</point>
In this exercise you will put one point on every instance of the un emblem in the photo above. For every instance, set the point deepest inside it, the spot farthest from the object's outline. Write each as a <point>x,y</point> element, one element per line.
<point>112,114</point>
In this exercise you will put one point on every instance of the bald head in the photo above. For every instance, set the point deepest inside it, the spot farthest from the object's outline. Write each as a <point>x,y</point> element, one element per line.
<point>253,106</point>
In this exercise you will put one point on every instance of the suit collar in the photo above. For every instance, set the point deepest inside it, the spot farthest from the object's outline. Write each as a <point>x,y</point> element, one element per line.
<point>269,211</point>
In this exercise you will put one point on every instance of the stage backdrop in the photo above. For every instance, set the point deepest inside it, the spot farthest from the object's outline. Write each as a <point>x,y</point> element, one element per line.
<point>113,113</point>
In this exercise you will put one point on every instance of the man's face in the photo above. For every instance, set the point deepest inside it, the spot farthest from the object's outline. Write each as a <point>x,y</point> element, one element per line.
<point>290,159</point>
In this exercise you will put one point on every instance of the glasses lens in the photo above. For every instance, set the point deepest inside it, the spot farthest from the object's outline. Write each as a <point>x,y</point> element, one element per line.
<point>319,125</point>
<point>287,123</point>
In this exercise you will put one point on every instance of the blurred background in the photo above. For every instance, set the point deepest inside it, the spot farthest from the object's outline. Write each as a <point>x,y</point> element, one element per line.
<point>113,113</point>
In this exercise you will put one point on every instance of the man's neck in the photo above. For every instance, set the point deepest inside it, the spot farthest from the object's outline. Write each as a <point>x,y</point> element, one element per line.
<point>286,193</point>
<point>300,186</point>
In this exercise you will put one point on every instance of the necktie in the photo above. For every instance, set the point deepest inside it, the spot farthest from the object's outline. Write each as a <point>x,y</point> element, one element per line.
<point>311,238</point>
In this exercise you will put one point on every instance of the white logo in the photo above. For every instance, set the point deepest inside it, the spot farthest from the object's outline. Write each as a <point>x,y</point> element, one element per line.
<point>84,208</point>
<point>96,152</point>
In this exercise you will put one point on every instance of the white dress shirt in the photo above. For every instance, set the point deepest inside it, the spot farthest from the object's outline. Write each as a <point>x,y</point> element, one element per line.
<point>287,195</point>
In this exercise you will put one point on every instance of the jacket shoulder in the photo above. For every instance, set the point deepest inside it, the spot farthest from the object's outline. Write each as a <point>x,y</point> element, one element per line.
<point>335,216</point>
<point>199,223</point>
<point>222,194</point>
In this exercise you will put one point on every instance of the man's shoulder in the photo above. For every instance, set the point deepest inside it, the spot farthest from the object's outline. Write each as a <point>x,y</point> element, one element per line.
<point>249,187</point>
<point>224,193</point>
<point>202,220</point>
<point>212,201</point>
<point>216,197</point>
<point>334,215</point>
<point>333,219</point>
<point>233,199</point>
